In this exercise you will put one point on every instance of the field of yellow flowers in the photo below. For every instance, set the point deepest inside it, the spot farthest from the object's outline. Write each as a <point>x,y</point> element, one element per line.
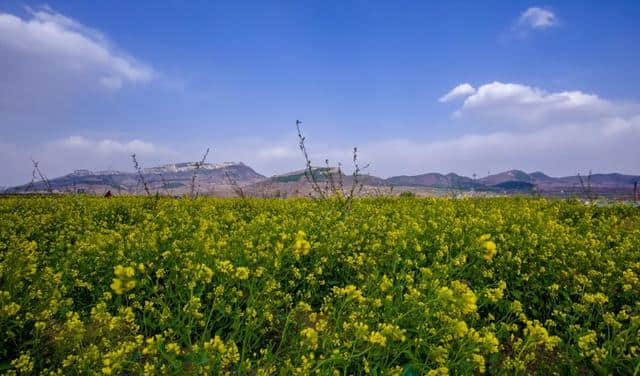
<point>137,285</point>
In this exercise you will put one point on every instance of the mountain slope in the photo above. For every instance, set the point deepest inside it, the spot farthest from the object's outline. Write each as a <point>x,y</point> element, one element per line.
<point>215,178</point>
<point>435,180</point>
<point>517,180</point>
<point>175,178</point>
<point>503,177</point>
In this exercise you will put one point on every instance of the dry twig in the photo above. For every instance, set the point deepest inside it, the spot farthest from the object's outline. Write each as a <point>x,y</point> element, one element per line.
<point>43,178</point>
<point>195,173</point>
<point>237,189</point>
<point>141,178</point>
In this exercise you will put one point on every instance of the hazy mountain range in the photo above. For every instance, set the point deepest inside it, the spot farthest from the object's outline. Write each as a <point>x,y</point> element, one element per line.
<point>174,178</point>
<point>217,178</point>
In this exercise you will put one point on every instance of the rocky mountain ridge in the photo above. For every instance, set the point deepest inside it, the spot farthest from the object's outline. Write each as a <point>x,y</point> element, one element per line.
<point>171,178</point>
<point>176,179</point>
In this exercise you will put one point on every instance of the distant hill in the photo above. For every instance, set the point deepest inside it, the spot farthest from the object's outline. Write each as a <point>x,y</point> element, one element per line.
<point>434,180</point>
<point>511,175</point>
<point>212,179</point>
<point>321,174</point>
<point>172,178</point>
<point>517,180</point>
<point>299,175</point>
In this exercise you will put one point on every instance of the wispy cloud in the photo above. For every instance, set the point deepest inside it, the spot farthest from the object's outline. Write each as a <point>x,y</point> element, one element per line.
<point>108,147</point>
<point>537,18</point>
<point>532,20</point>
<point>558,150</point>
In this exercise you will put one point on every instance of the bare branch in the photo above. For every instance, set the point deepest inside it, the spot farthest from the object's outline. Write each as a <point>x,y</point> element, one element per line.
<point>32,182</point>
<point>141,178</point>
<point>587,190</point>
<point>237,189</point>
<point>340,179</point>
<point>356,184</point>
<point>43,178</point>
<point>311,178</point>
<point>165,186</point>
<point>333,186</point>
<point>195,173</point>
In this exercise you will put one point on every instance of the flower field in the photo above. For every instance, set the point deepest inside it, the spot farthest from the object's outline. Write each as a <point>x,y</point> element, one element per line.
<point>137,285</point>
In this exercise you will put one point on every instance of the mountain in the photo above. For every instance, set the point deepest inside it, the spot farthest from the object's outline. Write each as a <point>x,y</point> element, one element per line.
<point>170,178</point>
<point>299,175</point>
<point>520,181</point>
<point>434,180</point>
<point>208,173</point>
<point>503,177</point>
<point>189,167</point>
<point>540,177</point>
<point>224,179</point>
<point>321,175</point>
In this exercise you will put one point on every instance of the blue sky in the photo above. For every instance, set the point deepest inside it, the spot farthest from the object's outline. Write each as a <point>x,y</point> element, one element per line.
<point>550,86</point>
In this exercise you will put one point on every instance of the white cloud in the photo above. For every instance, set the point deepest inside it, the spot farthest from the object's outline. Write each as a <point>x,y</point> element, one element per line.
<point>68,45</point>
<point>537,18</point>
<point>460,91</point>
<point>556,150</point>
<point>558,143</point>
<point>108,146</point>
<point>527,105</point>
<point>533,129</point>
<point>276,152</point>
<point>48,59</point>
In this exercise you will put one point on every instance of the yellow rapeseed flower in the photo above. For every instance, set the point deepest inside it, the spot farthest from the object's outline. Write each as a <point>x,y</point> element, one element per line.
<point>378,338</point>
<point>242,272</point>
<point>460,329</point>
<point>385,284</point>
<point>490,250</point>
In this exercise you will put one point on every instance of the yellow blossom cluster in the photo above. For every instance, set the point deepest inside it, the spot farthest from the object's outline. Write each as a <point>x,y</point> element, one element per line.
<point>124,279</point>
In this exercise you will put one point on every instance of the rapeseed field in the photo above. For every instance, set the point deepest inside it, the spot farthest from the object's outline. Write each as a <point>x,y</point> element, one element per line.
<point>392,286</point>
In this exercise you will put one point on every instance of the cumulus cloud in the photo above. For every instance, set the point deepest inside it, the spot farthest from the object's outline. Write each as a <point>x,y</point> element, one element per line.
<point>521,126</point>
<point>460,91</point>
<point>47,56</point>
<point>528,105</point>
<point>537,18</point>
